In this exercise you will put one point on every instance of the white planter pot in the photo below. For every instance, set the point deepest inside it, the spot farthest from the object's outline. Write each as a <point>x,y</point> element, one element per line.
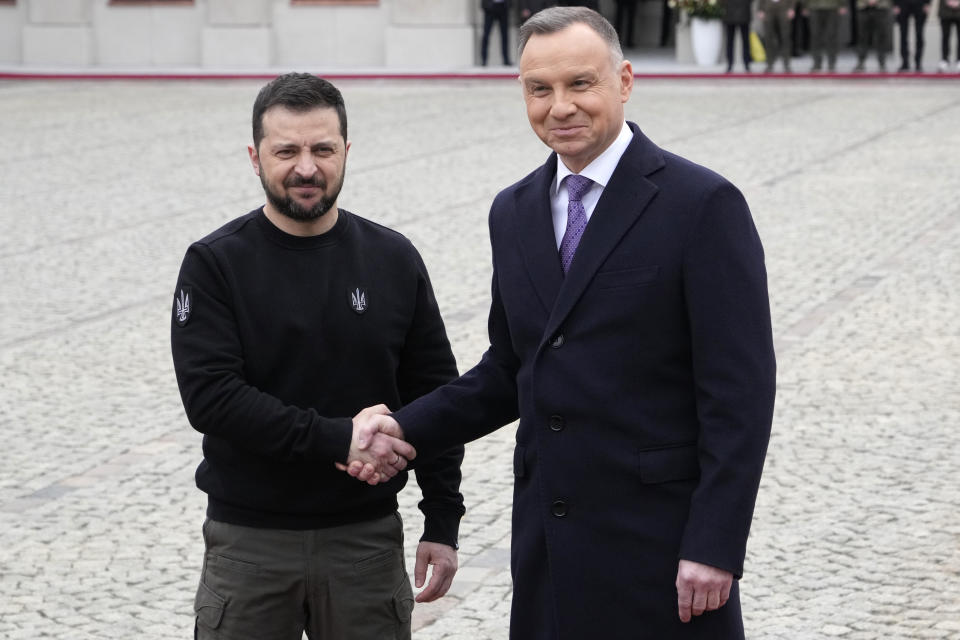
<point>706,37</point>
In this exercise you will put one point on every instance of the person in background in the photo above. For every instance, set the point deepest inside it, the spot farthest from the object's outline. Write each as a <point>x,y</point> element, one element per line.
<point>854,32</point>
<point>589,4</point>
<point>904,10</point>
<point>626,16</point>
<point>736,18</point>
<point>667,20</point>
<point>824,18</point>
<point>529,7</point>
<point>949,15</point>
<point>800,30</point>
<point>495,11</point>
<point>776,16</point>
<point>873,25</point>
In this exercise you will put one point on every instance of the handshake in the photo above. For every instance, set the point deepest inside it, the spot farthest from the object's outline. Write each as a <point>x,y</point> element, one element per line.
<point>377,449</point>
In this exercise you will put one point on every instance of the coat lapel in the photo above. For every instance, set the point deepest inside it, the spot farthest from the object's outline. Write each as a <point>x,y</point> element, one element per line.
<point>535,232</point>
<point>624,200</point>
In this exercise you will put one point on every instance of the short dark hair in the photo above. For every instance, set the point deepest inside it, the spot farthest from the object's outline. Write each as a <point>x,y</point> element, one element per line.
<point>554,19</point>
<point>297,92</point>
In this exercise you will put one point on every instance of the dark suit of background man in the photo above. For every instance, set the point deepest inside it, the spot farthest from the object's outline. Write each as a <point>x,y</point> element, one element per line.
<point>495,11</point>
<point>626,16</point>
<point>643,377</point>
<point>736,18</point>
<point>918,10</point>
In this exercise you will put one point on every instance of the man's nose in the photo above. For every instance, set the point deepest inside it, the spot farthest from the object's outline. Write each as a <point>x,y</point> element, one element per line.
<point>563,106</point>
<point>305,166</point>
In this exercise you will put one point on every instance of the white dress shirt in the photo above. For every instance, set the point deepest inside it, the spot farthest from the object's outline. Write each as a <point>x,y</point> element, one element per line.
<point>599,171</point>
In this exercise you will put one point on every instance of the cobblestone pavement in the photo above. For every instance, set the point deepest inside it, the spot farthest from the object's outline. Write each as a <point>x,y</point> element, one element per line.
<point>855,188</point>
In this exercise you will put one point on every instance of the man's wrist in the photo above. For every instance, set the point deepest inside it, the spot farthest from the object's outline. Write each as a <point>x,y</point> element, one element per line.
<point>442,527</point>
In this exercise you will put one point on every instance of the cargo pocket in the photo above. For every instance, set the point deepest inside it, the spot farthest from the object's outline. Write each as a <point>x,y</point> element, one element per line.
<point>208,607</point>
<point>669,464</point>
<point>403,601</point>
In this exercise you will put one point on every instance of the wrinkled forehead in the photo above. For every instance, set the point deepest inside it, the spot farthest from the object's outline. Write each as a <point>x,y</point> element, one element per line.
<point>280,120</point>
<point>575,45</point>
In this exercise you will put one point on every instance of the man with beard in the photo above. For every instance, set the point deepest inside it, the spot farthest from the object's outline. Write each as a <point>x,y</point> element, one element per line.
<point>284,319</point>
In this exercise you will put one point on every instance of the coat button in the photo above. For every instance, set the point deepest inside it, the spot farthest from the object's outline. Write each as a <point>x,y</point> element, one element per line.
<point>559,508</point>
<point>557,423</point>
<point>557,341</point>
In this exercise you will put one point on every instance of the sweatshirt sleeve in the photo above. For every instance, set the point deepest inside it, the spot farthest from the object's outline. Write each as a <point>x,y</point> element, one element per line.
<point>209,363</point>
<point>426,363</point>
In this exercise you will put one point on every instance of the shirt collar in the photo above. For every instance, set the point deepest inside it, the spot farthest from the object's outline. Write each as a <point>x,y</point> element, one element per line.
<point>602,166</point>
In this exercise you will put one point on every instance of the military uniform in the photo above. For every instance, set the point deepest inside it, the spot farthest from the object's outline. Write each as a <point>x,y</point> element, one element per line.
<point>777,15</point>
<point>873,23</point>
<point>824,34</point>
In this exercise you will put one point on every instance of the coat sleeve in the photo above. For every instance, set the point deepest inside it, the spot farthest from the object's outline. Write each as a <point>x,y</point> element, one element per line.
<point>426,362</point>
<point>208,360</point>
<point>734,374</point>
<point>478,402</point>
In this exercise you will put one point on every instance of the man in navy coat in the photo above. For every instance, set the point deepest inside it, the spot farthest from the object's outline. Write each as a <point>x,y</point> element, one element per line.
<point>641,369</point>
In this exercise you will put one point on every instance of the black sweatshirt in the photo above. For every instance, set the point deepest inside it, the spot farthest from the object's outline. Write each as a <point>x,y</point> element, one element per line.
<point>278,340</point>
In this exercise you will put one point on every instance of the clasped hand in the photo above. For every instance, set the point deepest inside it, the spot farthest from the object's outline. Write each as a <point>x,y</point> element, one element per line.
<point>377,450</point>
<point>378,453</point>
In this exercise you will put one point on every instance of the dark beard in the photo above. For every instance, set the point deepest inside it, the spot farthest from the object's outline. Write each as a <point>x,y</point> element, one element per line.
<point>290,208</point>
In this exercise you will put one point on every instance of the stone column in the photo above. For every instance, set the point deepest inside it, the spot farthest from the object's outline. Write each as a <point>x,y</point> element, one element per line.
<point>12,20</point>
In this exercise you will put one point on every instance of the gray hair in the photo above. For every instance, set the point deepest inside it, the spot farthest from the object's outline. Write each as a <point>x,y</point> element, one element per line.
<point>554,19</point>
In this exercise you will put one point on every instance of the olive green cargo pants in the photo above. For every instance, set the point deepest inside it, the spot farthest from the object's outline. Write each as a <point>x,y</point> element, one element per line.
<point>342,583</point>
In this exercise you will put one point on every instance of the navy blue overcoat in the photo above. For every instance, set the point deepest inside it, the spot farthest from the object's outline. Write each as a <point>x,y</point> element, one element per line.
<point>644,383</point>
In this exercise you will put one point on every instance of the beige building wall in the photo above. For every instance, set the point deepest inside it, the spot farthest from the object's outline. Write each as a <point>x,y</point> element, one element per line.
<point>239,34</point>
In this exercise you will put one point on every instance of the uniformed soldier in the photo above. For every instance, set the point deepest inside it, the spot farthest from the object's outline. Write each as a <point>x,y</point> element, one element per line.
<point>873,24</point>
<point>824,18</point>
<point>777,16</point>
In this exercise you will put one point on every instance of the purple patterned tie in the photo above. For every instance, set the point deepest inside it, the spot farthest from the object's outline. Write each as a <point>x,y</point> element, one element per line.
<point>576,218</point>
